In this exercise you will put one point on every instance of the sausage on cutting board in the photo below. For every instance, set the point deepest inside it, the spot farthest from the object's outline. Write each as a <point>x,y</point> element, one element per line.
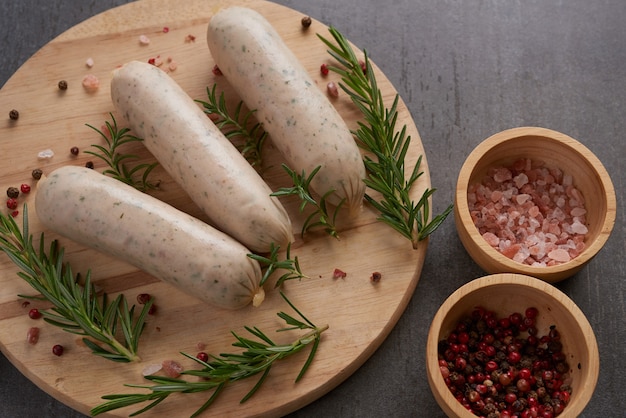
<point>107,215</point>
<point>301,121</point>
<point>198,156</point>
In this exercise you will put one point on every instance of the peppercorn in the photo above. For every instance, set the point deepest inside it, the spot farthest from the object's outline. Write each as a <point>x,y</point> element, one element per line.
<point>376,276</point>
<point>36,173</point>
<point>13,192</point>
<point>11,203</point>
<point>306,22</point>
<point>14,114</point>
<point>57,350</point>
<point>62,85</point>
<point>89,164</point>
<point>74,150</point>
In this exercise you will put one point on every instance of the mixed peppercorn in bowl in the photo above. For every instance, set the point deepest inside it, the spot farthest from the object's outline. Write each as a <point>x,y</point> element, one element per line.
<point>507,345</point>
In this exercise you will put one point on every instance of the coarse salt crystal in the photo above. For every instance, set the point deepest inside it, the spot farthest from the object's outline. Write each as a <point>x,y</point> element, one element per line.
<point>144,40</point>
<point>151,369</point>
<point>91,82</point>
<point>579,228</point>
<point>560,255</point>
<point>89,63</point>
<point>45,154</point>
<point>491,239</point>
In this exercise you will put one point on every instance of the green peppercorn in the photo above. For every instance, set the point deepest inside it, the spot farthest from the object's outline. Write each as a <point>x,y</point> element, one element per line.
<point>13,192</point>
<point>37,173</point>
<point>14,114</point>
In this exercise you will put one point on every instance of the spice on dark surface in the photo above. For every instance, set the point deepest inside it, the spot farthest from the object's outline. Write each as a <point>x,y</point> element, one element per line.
<point>499,365</point>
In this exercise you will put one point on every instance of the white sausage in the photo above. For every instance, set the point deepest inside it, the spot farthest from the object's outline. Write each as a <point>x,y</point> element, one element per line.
<point>301,121</point>
<point>199,157</point>
<point>107,215</point>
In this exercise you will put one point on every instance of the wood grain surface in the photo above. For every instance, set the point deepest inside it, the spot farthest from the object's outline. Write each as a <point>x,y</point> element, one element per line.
<point>360,314</point>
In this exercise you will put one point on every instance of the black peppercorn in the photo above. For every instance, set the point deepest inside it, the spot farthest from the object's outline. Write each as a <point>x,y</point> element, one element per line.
<point>13,192</point>
<point>306,22</point>
<point>89,164</point>
<point>62,85</point>
<point>37,173</point>
<point>14,114</point>
<point>74,150</point>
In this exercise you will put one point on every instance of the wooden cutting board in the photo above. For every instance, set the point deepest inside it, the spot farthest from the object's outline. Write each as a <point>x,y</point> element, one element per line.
<point>360,314</point>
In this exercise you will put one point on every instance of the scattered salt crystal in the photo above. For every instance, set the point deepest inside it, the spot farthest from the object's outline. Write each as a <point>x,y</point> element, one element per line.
<point>45,154</point>
<point>560,255</point>
<point>91,82</point>
<point>144,40</point>
<point>151,369</point>
<point>89,63</point>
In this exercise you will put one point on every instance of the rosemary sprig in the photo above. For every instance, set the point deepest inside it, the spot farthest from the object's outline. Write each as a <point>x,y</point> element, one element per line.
<point>320,217</point>
<point>271,264</point>
<point>76,308</point>
<point>378,136</point>
<point>117,161</point>
<point>257,358</point>
<point>236,125</point>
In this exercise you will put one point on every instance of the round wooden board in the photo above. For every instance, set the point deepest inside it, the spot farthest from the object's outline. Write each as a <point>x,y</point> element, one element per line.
<point>360,314</point>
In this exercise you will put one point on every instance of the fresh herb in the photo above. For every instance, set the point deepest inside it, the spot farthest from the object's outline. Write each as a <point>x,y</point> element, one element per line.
<point>378,136</point>
<point>259,356</point>
<point>321,215</point>
<point>117,161</point>
<point>76,308</point>
<point>236,125</point>
<point>272,264</point>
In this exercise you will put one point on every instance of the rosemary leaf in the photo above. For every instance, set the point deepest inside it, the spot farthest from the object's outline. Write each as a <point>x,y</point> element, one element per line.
<point>389,146</point>
<point>236,125</point>
<point>76,308</point>
<point>257,358</point>
<point>271,264</point>
<point>118,161</point>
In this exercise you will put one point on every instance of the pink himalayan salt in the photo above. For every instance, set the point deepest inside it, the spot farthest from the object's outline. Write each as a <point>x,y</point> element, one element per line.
<point>530,213</point>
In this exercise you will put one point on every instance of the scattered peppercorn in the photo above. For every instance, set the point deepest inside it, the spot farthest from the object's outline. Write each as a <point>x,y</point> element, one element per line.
<point>57,350</point>
<point>333,91</point>
<point>25,188</point>
<point>306,22</point>
<point>15,213</point>
<point>62,85</point>
<point>202,356</point>
<point>11,203</point>
<point>13,192</point>
<point>89,164</point>
<point>324,69</point>
<point>74,150</point>
<point>216,70</point>
<point>143,298</point>
<point>34,313</point>
<point>14,114</point>
<point>36,173</point>
<point>376,276</point>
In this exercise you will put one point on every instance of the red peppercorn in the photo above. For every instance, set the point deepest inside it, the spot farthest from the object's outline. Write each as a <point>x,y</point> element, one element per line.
<point>74,150</point>
<point>143,298</point>
<point>166,29</point>
<point>216,70</point>
<point>57,350</point>
<point>25,188</point>
<point>531,312</point>
<point>34,313</point>
<point>202,356</point>
<point>11,203</point>
<point>15,213</point>
<point>324,69</point>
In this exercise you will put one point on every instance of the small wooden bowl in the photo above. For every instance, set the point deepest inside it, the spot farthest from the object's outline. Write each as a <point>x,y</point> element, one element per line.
<point>504,294</point>
<point>555,150</point>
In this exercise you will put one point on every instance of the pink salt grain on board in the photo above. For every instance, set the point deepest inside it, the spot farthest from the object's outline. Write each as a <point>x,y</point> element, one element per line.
<point>91,83</point>
<point>530,213</point>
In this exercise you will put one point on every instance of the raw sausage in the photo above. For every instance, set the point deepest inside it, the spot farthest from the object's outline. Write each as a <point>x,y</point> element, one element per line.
<point>301,121</point>
<point>107,215</point>
<point>199,157</point>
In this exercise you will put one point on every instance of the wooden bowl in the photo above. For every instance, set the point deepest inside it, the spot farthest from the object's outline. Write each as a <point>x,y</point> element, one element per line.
<point>504,294</point>
<point>555,150</point>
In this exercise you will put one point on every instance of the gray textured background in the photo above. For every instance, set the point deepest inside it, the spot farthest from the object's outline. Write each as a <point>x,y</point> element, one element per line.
<point>466,69</point>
